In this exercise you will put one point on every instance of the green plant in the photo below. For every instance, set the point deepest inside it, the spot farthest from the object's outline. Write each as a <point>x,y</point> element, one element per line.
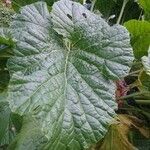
<point>58,88</point>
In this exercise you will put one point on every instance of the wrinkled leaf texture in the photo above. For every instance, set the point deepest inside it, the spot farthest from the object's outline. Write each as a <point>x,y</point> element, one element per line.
<point>63,71</point>
<point>146,62</point>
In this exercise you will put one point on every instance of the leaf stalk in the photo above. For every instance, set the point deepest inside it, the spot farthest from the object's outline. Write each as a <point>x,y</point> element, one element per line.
<point>122,10</point>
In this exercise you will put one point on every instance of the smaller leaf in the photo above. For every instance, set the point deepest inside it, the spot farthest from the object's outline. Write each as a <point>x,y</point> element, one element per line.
<point>140,35</point>
<point>5,36</point>
<point>6,43</point>
<point>145,4</point>
<point>145,81</point>
<point>5,52</point>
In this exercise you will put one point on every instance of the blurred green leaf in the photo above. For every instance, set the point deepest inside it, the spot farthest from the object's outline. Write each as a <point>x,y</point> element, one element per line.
<point>6,43</point>
<point>145,4</point>
<point>145,81</point>
<point>17,4</point>
<point>5,36</point>
<point>140,36</point>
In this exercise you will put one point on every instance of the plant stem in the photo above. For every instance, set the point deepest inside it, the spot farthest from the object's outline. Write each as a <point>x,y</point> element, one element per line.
<point>93,4</point>
<point>132,95</point>
<point>137,110</point>
<point>122,10</point>
<point>134,72</point>
<point>140,15</point>
<point>144,102</point>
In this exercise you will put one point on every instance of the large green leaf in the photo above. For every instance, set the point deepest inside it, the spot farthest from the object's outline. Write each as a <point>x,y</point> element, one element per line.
<point>65,82</point>
<point>140,35</point>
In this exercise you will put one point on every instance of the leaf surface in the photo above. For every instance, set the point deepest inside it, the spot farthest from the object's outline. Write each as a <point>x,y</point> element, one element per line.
<point>30,137</point>
<point>7,132</point>
<point>5,43</point>
<point>146,62</point>
<point>66,83</point>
